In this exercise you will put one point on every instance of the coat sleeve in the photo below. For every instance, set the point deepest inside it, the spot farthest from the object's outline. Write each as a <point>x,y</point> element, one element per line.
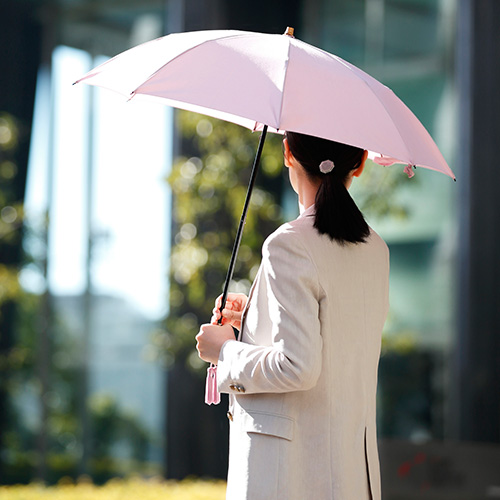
<point>292,359</point>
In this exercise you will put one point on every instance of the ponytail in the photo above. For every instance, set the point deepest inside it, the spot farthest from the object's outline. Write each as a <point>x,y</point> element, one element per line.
<point>337,215</point>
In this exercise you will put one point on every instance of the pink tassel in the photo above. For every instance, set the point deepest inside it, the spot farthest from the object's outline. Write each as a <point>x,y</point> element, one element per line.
<point>212,396</point>
<point>385,161</point>
<point>409,171</point>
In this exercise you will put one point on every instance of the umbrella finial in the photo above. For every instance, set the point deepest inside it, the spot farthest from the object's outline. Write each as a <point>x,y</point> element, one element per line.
<point>289,31</point>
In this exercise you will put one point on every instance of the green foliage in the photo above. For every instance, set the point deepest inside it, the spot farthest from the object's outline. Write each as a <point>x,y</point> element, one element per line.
<point>9,132</point>
<point>9,284</point>
<point>129,489</point>
<point>11,212</point>
<point>113,429</point>
<point>377,191</point>
<point>209,190</point>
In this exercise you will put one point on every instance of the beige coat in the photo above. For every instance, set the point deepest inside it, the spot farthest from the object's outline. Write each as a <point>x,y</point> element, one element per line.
<point>302,379</point>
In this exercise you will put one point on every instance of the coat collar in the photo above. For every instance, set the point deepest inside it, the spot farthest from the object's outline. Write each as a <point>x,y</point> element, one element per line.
<point>307,212</point>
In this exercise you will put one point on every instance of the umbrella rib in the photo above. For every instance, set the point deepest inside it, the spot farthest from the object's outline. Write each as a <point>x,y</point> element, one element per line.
<point>361,77</point>
<point>387,112</point>
<point>389,115</point>
<point>284,82</point>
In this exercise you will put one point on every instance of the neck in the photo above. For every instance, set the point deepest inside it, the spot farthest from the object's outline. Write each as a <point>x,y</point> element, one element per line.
<point>307,195</point>
<point>307,191</point>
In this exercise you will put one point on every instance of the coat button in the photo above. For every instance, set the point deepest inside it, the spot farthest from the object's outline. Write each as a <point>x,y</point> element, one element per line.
<point>230,416</point>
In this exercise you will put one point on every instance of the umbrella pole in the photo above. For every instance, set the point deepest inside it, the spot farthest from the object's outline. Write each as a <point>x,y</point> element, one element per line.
<point>243,219</point>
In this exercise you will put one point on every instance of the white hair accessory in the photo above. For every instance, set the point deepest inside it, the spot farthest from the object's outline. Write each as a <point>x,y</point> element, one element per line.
<point>326,166</point>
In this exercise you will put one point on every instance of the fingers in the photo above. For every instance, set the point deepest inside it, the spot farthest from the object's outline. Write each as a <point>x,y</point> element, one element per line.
<point>232,312</point>
<point>231,315</point>
<point>228,316</point>
<point>236,301</point>
<point>216,312</point>
<point>218,302</point>
<point>214,320</point>
<point>210,339</point>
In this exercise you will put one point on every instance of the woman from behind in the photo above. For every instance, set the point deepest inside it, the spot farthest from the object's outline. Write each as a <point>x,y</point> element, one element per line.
<point>302,375</point>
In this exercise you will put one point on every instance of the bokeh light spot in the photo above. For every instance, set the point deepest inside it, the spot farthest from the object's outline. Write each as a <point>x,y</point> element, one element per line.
<point>5,133</point>
<point>8,214</point>
<point>204,128</point>
<point>206,192</point>
<point>191,167</point>
<point>271,166</point>
<point>8,133</point>
<point>188,231</point>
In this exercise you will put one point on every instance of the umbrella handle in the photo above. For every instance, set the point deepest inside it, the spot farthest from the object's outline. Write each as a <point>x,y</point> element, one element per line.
<point>243,219</point>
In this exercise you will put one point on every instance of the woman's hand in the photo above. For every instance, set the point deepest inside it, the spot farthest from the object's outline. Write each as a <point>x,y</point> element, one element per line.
<point>231,314</point>
<point>210,340</point>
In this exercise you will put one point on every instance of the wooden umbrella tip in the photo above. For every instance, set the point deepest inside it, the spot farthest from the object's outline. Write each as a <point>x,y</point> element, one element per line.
<point>289,31</point>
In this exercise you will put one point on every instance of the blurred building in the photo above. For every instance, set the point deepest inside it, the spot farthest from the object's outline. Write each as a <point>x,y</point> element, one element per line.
<point>439,396</point>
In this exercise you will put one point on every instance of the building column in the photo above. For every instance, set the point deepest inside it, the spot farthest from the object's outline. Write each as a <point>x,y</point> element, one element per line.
<point>20,38</point>
<point>477,382</point>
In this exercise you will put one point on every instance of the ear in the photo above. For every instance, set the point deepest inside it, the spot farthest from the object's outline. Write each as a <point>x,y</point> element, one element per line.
<point>361,167</point>
<point>287,154</point>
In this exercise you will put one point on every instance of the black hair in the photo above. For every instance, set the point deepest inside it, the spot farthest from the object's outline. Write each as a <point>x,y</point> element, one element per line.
<point>336,212</point>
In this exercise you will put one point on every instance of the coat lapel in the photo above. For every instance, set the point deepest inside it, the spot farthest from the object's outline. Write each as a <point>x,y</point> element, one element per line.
<point>250,293</point>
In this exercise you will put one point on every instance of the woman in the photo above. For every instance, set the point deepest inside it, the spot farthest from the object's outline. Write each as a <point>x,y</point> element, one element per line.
<point>302,375</point>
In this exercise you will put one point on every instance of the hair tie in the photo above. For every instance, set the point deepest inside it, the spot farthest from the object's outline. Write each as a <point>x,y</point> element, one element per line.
<point>326,166</point>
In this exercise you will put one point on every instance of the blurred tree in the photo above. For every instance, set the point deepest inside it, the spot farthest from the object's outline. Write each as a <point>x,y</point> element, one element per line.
<point>209,190</point>
<point>11,217</point>
<point>11,214</point>
<point>120,441</point>
<point>376,191</point>
<point>20,41</point>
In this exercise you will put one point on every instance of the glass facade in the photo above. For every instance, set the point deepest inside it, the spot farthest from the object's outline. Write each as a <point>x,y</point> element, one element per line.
<point>405,44</point>
<point>98,175</point>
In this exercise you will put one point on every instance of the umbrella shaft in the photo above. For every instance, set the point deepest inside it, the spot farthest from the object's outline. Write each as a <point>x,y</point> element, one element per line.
<point>243,219</point>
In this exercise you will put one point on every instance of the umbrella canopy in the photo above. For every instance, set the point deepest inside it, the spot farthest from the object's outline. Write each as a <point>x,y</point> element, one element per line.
<point>256,79</point>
